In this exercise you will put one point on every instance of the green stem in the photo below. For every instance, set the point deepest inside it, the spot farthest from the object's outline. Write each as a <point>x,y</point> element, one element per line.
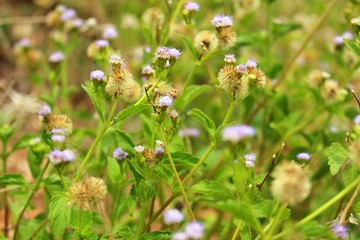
<point>323,207</point>
<point>172,20</point>
<point>228,113</point>
<point>237,230</point>
<point>166,146</point>
<point>79,222</point>
<point>142,216</point>
<point>33,191</point>
<point>276,222</point>
<point>59,171</point>
<point>41,226</point>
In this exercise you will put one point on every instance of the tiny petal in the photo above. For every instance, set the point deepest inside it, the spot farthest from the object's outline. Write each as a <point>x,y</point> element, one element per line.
<point>251,63</point>
<point>119,154</point>
<point>172,216</point>
<point>165,101</point>
<point>303,156</point>
<point>97,75</point>
<point>194,230</point>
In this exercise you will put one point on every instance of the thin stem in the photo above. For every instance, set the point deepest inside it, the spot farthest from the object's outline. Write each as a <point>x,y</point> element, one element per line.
<point>276,222</point>
<point>157,214</point>
<point>237,230</point>
<point>34,190</point>
<point>176,173</point>
<point>59,171</point>
<point>142,217</point>
<point>229,113</point>
<point>41,226</point>
<point>348,206</point>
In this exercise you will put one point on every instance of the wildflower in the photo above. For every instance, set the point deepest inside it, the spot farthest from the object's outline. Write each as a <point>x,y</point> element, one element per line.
<point>251,63</point>
<point>303,156</point>
<point>192,7</point>
<point>116,61</point>
<point>338,41</point>
<point>230,58</point>
<point>87,191</point>
<point>59,121</point>
<point>119,84</point>
<point>339,230</point>
<point>179,236</point>
<point>102,43</point>
<point>290,185</point>
<point>221,21</point>
<point>159,151</point>
<point>147,71</point>
<point>250,160</point>
<point>205,42</point>
<point>194,230</point>
<point>139,148</point>
<point>77,23</point>
<point>56,57</point>
<point>23,43</point>
<point>119,154</point>
<point>331,90</point>
<point>357,119</point>
<point>165,101</point>
<point>97,75</point>
<point>348,35</point>
<point>173,216</point>
<point>316,77</point>
<point>56,156</point>
<point>189,132</point>
<point>45,110</point>
<point>57,138</point>
<point>167,53</point>
<point>68,155</point>
<point>68,14</point>
<point>236,133</point>
<point>133,92</point>
<point>109,33</point>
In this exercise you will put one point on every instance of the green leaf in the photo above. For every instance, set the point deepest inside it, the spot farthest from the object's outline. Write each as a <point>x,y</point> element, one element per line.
<point>34,161</point>
<point>135,169</point>
<point>82,224</point>
<point>248,38</point>
<point>131,111</point>
<point>125,233</point>
<point>337,155</point>
<point>124,141</point>
<point>183,158</point>
<point>241,176</point>
<point>23,142</point>
<point>264,208</point>
<point>354,46</point>
<point>190,46</point>
<point>145,190</point>
<point>164,172</point>
<point>315,230</point>
<point>207,122</point>
<point>59,214</point>
<point>212,190</point>
<point>158,235</point>
<point>12,179</point>
<point>98,101</point>
<point>113,170</point>
<point>281,29</point>
<point>192,92</point>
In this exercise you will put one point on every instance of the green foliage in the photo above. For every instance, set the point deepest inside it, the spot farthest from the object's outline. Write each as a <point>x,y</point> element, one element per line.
<point>59,214</point>
<point>211,191</point>
<point>96,97</point>
<point>161,235</point>
<point>12,179</point>
<point>337,155</point>
<point>205,121</point>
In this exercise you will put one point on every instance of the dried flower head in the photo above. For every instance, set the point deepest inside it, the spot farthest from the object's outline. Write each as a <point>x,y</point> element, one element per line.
<point>172,216</point>
<point>133,92</point>
<point>59,122</point>
<point>227,36</point>
<point>97,75</point>
<point>291,184</point>
<point>205,42</point>
<point>148,71</point>
<point>316,77</point>
<point>332,91</point>
<point>194,230</point>
<point>233,81</point>
<point>119,84</point>
<point>116,61</point>
<point>236,133</point>
<point>119,154</point>
<point>88,191</point>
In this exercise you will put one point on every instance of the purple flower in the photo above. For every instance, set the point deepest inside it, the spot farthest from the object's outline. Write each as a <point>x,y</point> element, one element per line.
<point>192,6</point>
<point>251,63</point>
<point>109,33</point>
<point>235,133</point>
<point>189,132</point>
<point>167,53</point>
<point>348,36</point>
<point>78,22</point>
<point>179,236</point>
<point>159,150</point>
<point>338,40</point>
<point>250,160</point>
<point>24,43</point>
<point>357,119</point>
<point>303,156</point>
<point>56,57</point>
<point>165,101</point>
<point>102,43</point>
<point>58,131</point>
<point>56,156</point>
<point>194,230</point>
<point>119,154</point>
<point>68,14</point>
<point>172,216</point>
<point>45,110</point>
<point>97,75</point>
<point>241,68</point>
<point>147,70</point>
<point>58,138</point>
<point>229,58</point>
<point>220,20</point>
<point>339,230</point>
<point>68,155</point>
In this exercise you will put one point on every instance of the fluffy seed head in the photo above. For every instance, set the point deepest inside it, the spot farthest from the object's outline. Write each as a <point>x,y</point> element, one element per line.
<point>133,92</point>
<point>291,184</point>
<point>147,71</point>
<point>194,230</point>
<point>236,133</point>
<point>227,36</point>
<point>172,216</point>
<point>205,42</point>
<point>118,85</point>
<point>59,121</point>
<point>88,191</point>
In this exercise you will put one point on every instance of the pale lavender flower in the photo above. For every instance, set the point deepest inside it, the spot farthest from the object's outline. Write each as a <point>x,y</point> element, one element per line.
<point>229,58</point>
<point>109,33</point>
<point>101,43</point>
<point>78,22</point>
<point>192,6</point>
<point>179,236</point>
<point>147,70</point>
<point>116,59</point>
<point>165,101</point>
<point>159,150</point>
<point>339,230</point>
<point>338,40</point>
<point>58,131</point>
<point>174,53</point>
<point>68,155</point>
<point>250,159</point>
<point>189,132</point>
<point>236,133</point>
<point>357,119</point>
<point>167,53</point>
<point>97,75</point>
<point>220,20</point>
<point>23,43</point>
<point>139,148</point>
<point>56,156</point>
<point>57,138</point>
<point>119,154</point>
<point>303,156</point>
<point>56,57</point>
<point>45,110</point>
<point>194,230</point>
<point>251,63</point>
<point>68,14</point>
<point>348,35</point>
<point>172,216</point>
<point>241,68</point>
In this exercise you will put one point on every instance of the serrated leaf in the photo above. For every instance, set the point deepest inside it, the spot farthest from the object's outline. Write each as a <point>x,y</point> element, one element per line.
<point>183,158</point>
<point>97,100</point>
<point>81,224</point>
<point>190,46</point>
<point>59,214</point>
<point>136,170</point>
<point>113,170</point>
<point>205,121</point>
<point>12,179</point>
<point>354,46</point>
<point>212,190</point>
<point>264,208</point>
<point>337,155</point>
<point>158,235</point>
<point>125,233</point>
<point>131,111</point>
<point>164,172</point>
<point>314,229</point>
<point>124,141</point>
